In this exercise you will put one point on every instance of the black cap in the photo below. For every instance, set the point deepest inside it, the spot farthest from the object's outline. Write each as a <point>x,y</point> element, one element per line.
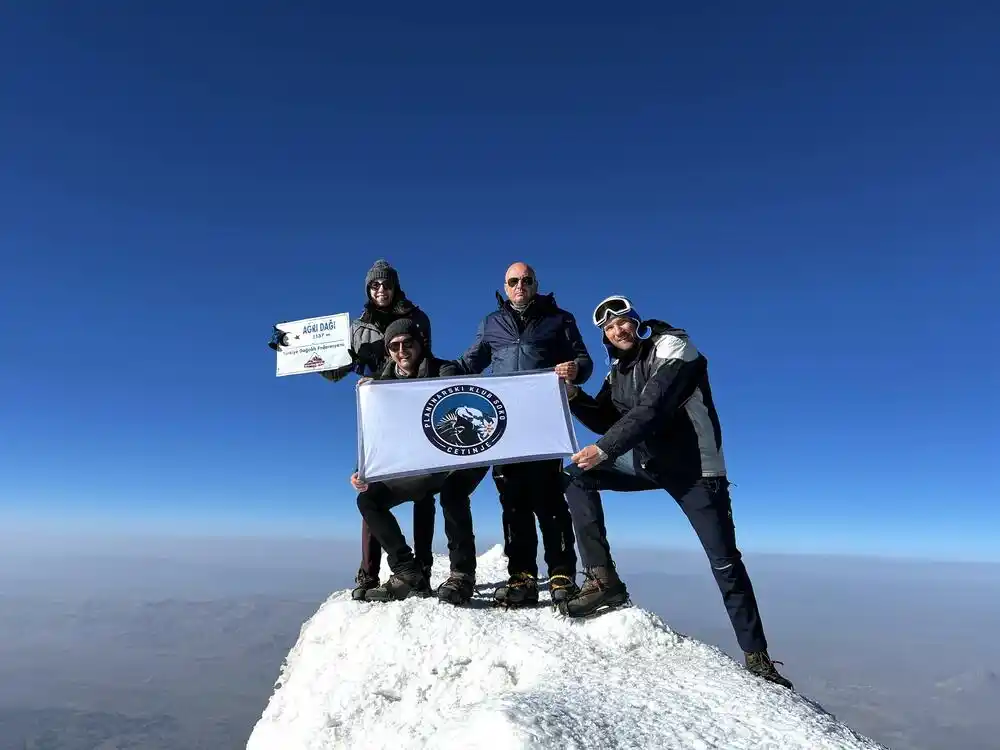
<point>402,327</point>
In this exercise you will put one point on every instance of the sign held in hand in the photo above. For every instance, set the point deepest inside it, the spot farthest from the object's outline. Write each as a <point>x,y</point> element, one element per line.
<point>314,344</point>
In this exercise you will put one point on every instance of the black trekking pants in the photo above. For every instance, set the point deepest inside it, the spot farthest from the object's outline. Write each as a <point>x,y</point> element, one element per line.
<point>376,505</point>
<point>424,515</point>
<point>529,490</point>
<point>707,505</point>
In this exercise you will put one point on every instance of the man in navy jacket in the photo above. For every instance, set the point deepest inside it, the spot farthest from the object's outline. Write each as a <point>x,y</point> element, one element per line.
<point>529,331</point>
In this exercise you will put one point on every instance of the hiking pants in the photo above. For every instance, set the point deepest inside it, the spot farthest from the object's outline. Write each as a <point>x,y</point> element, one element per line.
<point>529,490</point>
<point>706,503</point>
<point>424,514</point>
<point>376,505</point>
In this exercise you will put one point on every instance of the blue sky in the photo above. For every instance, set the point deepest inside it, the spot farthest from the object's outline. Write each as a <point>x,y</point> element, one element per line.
<point>812,193</point>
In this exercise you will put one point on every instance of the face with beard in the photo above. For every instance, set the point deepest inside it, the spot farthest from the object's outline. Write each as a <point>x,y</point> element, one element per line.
<point>621,333</point>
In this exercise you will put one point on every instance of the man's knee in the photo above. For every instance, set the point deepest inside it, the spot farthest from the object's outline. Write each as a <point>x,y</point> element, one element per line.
<point>371,498</point>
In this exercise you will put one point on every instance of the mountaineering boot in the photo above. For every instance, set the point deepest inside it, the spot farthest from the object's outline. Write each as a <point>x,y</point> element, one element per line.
<point>521,590</point>
<point>562,588</point>
<point>458,589</point>
<point>364,583</point>
<point>602,591</point>
<point>404,582</point>
<point>761,665</point>
<point>424,589</point>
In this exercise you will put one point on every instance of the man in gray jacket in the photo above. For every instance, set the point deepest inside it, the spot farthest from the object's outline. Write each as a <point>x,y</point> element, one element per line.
<point>660,431</point>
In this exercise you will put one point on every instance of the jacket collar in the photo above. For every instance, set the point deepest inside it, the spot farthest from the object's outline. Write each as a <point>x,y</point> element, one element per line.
<point>656,329</point>
<point>389,371</point>
<point>543,303</point>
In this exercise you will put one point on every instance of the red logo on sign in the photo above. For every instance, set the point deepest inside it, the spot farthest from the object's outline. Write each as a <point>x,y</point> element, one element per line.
<point>316,361</point>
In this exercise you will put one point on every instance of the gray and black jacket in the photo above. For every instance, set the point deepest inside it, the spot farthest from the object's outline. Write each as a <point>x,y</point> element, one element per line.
<point>657,401</point>
<point>367,332</point>
<point>543,336</point>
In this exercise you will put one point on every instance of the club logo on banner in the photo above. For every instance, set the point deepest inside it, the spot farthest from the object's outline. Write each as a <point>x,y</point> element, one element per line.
<point>464,420</point>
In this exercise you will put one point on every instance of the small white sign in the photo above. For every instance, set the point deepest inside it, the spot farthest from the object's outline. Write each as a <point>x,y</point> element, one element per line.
<point>315,344</point>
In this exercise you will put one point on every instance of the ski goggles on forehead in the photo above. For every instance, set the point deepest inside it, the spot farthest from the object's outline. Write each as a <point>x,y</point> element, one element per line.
<point>612,307</point>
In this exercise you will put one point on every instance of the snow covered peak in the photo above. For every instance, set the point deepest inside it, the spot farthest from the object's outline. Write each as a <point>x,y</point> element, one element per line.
<point>424,674</point>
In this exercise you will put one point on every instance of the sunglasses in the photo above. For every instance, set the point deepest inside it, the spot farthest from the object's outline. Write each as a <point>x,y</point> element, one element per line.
<point>398,346</point>
<point>612,307</point>
<point>526,280</point>
<point>380,285</point>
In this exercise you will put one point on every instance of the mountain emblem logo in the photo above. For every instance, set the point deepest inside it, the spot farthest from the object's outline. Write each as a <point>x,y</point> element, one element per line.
<point>314,361</point>
<point>464,420</point>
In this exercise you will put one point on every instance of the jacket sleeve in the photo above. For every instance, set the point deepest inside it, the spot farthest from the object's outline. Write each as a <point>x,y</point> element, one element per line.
<point>596,413</point>
<point>339,373</point>
<point>676,369</point>
<point>578,351</point>
<point>450,369</point>
<point>478,356</point>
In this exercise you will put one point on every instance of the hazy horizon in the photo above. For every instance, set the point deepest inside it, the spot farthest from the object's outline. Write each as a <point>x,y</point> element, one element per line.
<point>178,642</point>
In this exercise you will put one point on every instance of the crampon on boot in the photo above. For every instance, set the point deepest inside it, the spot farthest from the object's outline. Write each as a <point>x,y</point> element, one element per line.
<point>603,591</point>
<point>364,583</point>
<point>760,664</point>
<point>562,588</point>
<point>405,582</point>
<point>458,589</point>
<point>521,590</point>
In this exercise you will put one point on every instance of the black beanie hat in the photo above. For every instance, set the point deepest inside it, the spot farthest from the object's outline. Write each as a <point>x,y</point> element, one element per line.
<point>403,327</point>
<point>381,271</point>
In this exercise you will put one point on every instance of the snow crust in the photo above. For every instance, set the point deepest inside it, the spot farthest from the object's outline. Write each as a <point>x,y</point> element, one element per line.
<point>424,674</point>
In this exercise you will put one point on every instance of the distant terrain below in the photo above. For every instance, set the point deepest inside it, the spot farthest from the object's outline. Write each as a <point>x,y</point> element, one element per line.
<point>177,648</point>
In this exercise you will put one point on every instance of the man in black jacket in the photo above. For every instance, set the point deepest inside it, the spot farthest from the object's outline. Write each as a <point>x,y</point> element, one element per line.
<point>529,331</point>
<point>660,431</point>
<point>410,357</point>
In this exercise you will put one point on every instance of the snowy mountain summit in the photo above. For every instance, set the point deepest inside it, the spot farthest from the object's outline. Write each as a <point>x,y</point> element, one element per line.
<point>425,674</point>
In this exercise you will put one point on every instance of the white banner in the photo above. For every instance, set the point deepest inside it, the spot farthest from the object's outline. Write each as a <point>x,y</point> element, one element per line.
<point>315,344</point>
<point>410,427</point>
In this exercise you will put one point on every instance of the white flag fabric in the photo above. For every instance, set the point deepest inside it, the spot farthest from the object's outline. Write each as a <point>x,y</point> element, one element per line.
<point>420,426</point>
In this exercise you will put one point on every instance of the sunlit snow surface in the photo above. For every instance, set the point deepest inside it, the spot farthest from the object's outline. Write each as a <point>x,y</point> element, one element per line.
<point>423,674</point>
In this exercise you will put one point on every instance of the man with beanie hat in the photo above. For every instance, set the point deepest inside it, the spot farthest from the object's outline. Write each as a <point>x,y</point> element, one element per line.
<point>409,357</point>
<point>529,331</point>
<point>385,303</point>
<point>660,430</point>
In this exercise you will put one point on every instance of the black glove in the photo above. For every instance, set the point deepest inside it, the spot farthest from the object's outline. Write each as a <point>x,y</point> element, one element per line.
<point>338,373</point>
<point>278,338</point>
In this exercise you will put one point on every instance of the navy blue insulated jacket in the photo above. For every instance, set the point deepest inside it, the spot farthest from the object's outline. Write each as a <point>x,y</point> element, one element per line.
<point>546,337</point>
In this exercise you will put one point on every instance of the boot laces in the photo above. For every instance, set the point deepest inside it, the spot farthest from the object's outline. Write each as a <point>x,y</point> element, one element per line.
<point>520,580</point>
<point>593,584</point>
<point>455,581</point>
<point>766,662</point>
